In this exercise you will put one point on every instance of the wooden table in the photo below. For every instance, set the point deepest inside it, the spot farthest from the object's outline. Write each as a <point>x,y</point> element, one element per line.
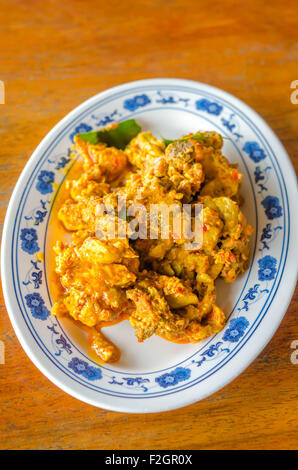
<point>54,55</point>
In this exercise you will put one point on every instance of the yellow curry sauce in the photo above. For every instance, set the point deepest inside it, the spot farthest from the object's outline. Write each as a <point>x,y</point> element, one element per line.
<point>158,285</point>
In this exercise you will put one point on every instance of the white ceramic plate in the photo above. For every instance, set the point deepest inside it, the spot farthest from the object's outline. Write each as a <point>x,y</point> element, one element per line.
<point>155,375</point>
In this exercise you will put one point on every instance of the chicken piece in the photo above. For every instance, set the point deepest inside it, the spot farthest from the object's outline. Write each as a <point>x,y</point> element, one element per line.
<point>207,293</point>
<point>93,290</point>
<point>95,262</point>
<point>194,268</point>
<point>83,187</point>
<point>98,251</point>
<point>116,275</point>
<point>144,149</point>
<point>212,229</point>
<point>174,167</point>
<point>153,249</point>
<point>85,308</point>
<point>79,215</point>
<point>152,312</point>
<point>159,248</point>
<point>151,307</point>
<point>66,257</point>
<point>108,252</point>
<point>232,216</point>
<point>192,313</point>
<point>154,316</point>
<point>70,214</point>
<point>94,303</point>
<point>231,257</point>
<point>184,171</point>
<point>177,293</point>
<point>102,347</point>
<point>213,323</point>
<point>100,160</point>
<point>221,177</point>
<point>164,306</point>
<point>78,237</point>
<point>183,263</point>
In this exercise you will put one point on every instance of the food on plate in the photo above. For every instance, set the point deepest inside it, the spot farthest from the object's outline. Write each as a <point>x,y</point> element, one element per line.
<point>161,286</point>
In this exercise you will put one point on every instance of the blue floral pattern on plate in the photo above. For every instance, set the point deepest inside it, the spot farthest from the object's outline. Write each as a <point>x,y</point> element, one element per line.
<point>37,306</point>
<point>236,329</point>
<point>39,213</point>
<point>138,101</point>
<point>272,207</point>
<point>255,152</point>
<point>267,268</point>
<point>29,240</point>
<point>269,234</point>
<point>34,275</point>
<point>253,295</point>
<point>172,378</point>
<point>209,106</point>
<point>83,368</point>
<point>45,182</point>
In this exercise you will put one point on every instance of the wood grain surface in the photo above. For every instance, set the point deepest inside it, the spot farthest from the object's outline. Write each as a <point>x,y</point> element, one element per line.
<point>54,55</point>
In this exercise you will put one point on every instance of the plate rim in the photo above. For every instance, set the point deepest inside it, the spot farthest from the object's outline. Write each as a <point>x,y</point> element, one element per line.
<point>22,179</point>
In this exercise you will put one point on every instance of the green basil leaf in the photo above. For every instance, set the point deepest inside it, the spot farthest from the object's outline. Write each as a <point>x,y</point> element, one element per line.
<point>200,136</point>
<point>118,136</point>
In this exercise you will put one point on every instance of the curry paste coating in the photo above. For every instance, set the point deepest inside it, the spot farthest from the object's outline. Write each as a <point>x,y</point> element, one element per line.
<point>161,287</point>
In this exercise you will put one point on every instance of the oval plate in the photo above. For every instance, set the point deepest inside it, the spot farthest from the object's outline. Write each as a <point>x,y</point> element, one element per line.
<point>156,375</point>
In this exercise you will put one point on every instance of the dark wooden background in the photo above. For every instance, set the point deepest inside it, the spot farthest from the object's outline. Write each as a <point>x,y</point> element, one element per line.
<point>54,55</point>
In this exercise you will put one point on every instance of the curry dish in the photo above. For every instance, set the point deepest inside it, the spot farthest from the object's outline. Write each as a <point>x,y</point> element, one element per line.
<point>158,285</point>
